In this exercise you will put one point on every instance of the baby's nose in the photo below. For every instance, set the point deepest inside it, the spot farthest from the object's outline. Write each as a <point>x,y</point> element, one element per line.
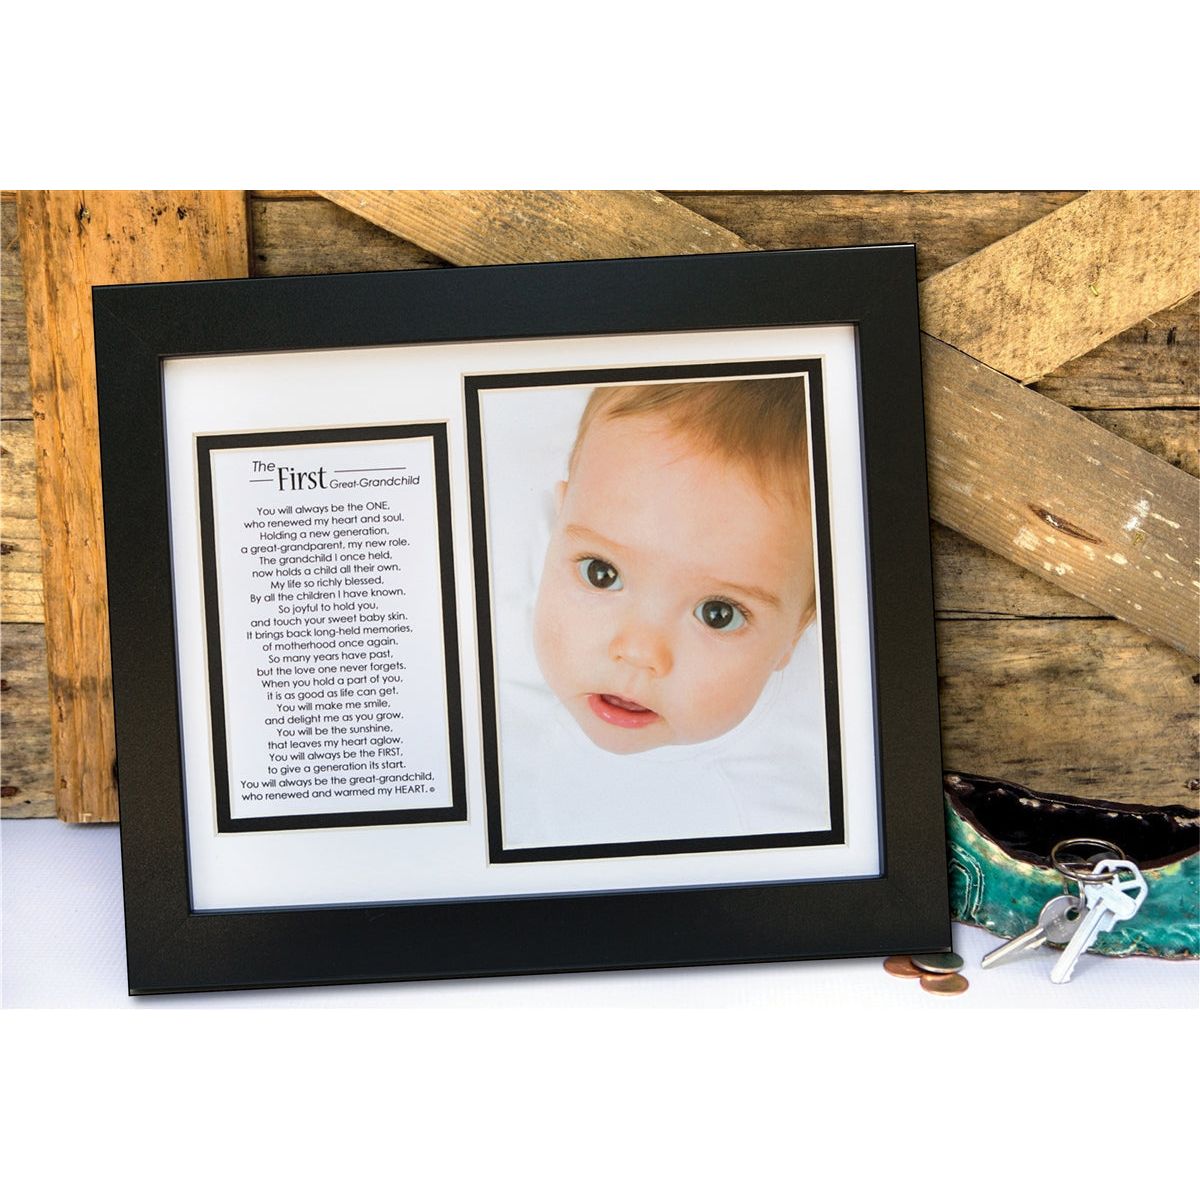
<point>644,646</point>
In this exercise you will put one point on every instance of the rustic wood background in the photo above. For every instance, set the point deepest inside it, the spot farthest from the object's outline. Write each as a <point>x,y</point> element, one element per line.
<point>1038,685</point>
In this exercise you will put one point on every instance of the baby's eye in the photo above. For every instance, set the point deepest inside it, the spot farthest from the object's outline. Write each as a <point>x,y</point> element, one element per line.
<point>719,614</point>
<point>600,574</point>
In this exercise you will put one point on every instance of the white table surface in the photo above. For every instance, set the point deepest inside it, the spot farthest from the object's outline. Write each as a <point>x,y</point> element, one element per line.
<point>63,947</point>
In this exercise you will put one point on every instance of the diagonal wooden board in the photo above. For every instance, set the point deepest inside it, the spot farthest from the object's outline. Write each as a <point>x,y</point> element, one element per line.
<point>476,228</point>
<point>1106,521</point>
<point>1064,498</point>
<point>1062,285</point>
<point>70,241</point>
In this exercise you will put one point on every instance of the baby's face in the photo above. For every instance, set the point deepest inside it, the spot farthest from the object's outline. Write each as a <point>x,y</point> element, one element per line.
<point>673,587</point>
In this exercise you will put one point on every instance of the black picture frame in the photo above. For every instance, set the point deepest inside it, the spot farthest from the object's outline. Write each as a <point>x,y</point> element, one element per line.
<point>171,947</point>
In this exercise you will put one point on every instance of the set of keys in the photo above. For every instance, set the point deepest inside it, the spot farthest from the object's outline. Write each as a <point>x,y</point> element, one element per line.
<point>1112,891</point>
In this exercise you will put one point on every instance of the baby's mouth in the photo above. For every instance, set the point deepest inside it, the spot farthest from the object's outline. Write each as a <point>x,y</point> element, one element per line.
<point>620,711</point>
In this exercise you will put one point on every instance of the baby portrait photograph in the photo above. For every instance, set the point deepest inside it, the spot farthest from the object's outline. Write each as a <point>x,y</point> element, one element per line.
<point>654,548</point>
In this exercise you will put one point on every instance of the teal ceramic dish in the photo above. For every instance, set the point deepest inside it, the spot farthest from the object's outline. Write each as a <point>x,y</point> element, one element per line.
<point>1000,837</point>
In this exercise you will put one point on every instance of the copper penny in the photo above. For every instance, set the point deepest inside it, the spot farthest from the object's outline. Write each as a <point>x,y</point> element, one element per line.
<point>944,985</point>
<point>901,965</point>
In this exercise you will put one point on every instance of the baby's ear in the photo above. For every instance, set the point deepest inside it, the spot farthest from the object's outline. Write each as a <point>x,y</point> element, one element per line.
<point>560,490</point>
<point>806,619</point>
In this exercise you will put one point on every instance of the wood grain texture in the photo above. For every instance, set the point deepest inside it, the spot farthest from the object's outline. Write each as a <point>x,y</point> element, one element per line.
<point>14,344</point>
<point>507,227</point>
<point>26,768</point>
<point>316,237</point>
<point>945,226</point>
<point>1059,495</point>
<point>1068,282</point>
<point>20,539</point>
<point>1170,434</point>
<point>1090,708</point>
<point>1154,364</point>
<point>71,241</point>
<point>971,581</point>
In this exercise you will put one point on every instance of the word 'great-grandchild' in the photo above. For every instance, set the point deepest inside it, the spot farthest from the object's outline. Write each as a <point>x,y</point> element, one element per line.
<point>288,479</point>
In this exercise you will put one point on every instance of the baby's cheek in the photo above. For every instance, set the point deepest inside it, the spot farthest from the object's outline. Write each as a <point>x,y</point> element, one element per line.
<point>551,639</point>
<point>543,631</point>
<point>731,696</point>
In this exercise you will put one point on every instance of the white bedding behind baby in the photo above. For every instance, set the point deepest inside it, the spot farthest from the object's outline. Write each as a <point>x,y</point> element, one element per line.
<point>767,775</point>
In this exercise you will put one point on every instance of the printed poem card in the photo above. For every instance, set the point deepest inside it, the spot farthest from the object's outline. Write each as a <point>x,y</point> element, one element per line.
<point>329,607</point>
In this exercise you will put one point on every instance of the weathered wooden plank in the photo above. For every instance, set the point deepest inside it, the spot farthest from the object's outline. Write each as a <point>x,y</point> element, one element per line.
<point>14,345</point>
<point>971,581</point>
<point>1057,494</point>
<point>20,540</point>
<point>1170,434</point>
<point>507,227</point>
<point>944,226</point>
<point>316,237</point>
<point>1068,282</point>
<point>1079,469</point>
<point>1090,708</point>
<point>1111,523</point>
<point>26,771</point>
<point>1154,364</point>
<point>69,242</point>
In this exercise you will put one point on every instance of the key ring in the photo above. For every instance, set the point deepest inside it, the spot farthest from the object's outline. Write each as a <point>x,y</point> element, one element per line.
<point>1079,876</point>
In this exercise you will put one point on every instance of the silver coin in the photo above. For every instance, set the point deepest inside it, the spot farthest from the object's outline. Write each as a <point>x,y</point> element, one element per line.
<point>938,964</point>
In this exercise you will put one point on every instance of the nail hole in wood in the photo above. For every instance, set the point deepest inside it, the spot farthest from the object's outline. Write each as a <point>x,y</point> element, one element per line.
<point>1063,525</point>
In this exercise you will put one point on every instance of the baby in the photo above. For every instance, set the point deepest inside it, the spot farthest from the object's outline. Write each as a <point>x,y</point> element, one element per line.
<point>680,571</point>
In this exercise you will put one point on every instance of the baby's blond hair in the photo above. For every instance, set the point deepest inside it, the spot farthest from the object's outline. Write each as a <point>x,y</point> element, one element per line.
<point>756,424</point>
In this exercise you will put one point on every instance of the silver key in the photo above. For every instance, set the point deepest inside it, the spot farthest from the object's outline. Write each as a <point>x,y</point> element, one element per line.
<point>1056,924</point>
<point>1107,903</point>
